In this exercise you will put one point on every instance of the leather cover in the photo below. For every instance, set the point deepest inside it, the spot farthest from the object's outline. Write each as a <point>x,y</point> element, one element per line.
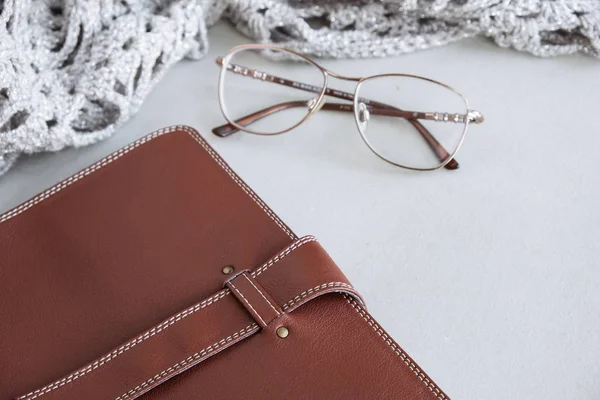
<point>112,287</point>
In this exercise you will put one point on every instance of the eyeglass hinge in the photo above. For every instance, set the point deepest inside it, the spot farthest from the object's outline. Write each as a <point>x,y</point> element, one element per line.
<point>475,117</point>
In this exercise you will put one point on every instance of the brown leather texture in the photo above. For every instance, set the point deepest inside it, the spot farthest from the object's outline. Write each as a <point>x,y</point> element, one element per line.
<point>112,286</point>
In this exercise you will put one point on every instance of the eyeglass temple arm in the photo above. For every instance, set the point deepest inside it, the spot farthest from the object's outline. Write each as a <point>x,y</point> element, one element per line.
<point>437,148</point>
<point>229,129</point>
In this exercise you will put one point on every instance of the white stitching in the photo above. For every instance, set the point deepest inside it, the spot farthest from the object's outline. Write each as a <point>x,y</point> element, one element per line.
<point>314,290</point>
<point>280,256</point>
<point>247,302</point>
<point>390,342</point>
<point>81,174</point>
<point>176,318</point>
<point>188,360</point>
<point>119,153</point>
<point>261,293</point>
<point>127,346</point>
<point>100,164</point>
<point>243,185</point>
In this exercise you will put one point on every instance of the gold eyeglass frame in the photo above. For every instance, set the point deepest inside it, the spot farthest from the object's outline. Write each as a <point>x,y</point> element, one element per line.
<point>447,159</point>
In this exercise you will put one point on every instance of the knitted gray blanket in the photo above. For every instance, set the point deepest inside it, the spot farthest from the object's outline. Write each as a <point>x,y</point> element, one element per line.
<point>71,71</point>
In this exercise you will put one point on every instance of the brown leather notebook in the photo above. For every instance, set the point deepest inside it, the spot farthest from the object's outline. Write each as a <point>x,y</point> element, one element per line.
<point>158,273</point>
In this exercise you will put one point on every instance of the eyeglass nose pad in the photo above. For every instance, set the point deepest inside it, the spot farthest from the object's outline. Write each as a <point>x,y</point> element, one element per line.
<point>363,115</point>
<point>315,106</point>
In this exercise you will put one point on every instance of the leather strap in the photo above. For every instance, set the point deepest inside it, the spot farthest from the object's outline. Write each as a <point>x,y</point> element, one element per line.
<point>254,298</point>
<point>251,300</point>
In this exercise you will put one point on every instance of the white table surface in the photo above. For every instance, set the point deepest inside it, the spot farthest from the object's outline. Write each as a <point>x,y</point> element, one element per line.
<point>488,276</point>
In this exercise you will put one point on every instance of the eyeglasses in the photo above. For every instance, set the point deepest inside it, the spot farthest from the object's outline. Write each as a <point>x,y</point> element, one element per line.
<point>406,120</point>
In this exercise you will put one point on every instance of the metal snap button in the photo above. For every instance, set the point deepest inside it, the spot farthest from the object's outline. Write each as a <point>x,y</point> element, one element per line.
<point>228,269</point>
<point>282,332</point>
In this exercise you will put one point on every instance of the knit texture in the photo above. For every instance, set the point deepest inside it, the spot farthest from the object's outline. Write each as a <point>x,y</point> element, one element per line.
<point>71,71</point>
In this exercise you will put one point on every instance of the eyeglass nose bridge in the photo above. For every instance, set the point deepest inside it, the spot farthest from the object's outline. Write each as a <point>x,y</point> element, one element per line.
<point>341,77</point>
<point>316,104</point>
